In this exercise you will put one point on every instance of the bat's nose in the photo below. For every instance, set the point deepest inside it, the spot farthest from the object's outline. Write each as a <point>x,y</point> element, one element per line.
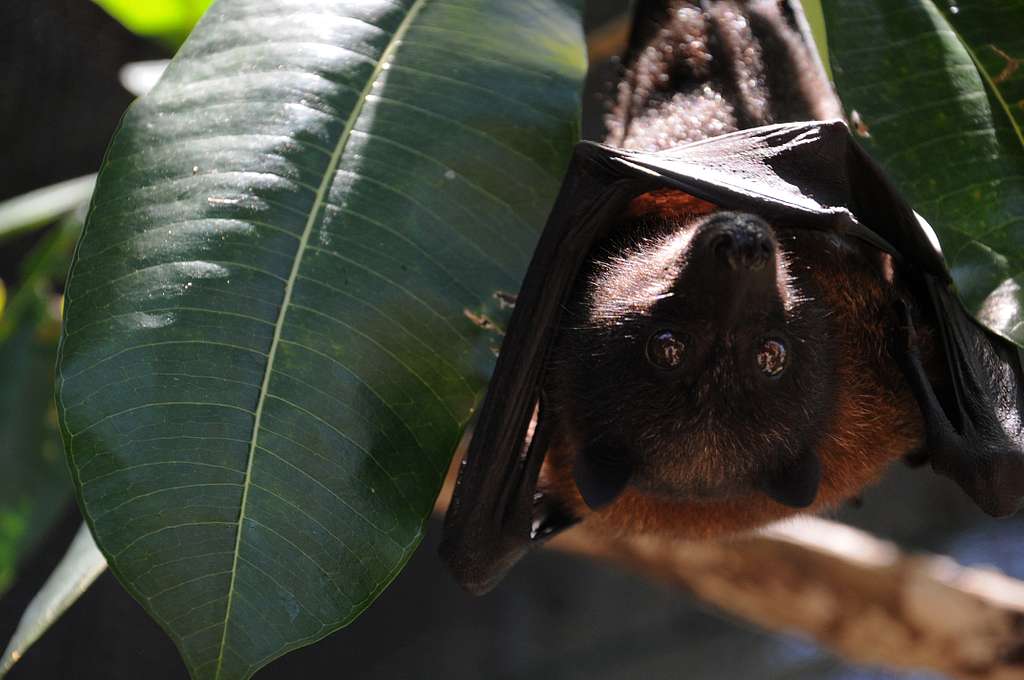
<point>744,242</point>
<point>734,257</point>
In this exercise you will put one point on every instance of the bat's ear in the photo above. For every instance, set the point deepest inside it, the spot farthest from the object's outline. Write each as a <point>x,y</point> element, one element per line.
<point>601,473</point>
<point>794,483</point>
<point>975,439</point>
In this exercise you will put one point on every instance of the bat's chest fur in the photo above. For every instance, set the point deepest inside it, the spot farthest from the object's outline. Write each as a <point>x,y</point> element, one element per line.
<point>700,438</point>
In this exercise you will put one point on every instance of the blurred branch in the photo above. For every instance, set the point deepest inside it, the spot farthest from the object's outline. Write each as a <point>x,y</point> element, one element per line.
<point>42,206</point>
<point>857,595</point>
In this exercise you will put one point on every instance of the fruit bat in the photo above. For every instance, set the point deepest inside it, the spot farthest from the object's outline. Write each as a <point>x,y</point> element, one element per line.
<point>720,334</point>
<point>806,176</point>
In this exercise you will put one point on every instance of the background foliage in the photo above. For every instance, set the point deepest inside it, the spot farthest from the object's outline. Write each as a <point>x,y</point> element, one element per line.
<point>945,122</point>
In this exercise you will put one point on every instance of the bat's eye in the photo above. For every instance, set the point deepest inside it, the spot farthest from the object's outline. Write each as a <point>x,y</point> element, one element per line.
<point>771,357</point>
<point>666,349</point>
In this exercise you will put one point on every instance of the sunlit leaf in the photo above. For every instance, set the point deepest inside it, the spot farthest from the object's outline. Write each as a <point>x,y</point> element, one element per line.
<point>169,20</point>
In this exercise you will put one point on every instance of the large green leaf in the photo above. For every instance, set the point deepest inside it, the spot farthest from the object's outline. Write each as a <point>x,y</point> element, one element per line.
<point>938,89</point>
<point>272,326</point>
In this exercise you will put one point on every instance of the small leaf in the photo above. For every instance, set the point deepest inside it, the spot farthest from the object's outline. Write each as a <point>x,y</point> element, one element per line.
<point>937,89</point>
<point>81,565</point>
<point>168,20</point>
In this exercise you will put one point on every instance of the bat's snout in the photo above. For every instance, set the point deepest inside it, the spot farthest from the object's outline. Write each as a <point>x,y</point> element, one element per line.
<point>734,258</point>
<point>743,242</point>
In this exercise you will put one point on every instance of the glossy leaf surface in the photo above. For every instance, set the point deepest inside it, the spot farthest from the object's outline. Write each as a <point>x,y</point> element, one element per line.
<point>273,325</point>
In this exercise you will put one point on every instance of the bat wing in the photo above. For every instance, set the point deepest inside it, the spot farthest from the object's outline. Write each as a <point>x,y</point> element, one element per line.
<point>492,519</point>
<point>807,174</point>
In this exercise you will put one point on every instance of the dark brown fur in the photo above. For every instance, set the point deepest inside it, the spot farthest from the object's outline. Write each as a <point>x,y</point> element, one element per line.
<point>696,75</point>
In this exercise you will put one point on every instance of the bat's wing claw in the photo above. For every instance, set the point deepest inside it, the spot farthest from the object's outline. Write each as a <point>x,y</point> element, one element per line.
<point>976,439</point>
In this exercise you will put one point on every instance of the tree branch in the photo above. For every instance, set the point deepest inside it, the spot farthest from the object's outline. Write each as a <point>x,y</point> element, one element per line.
<point>855,594</point>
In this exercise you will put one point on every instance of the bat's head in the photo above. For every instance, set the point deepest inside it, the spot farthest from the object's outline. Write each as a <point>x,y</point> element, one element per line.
<point>702,360</point>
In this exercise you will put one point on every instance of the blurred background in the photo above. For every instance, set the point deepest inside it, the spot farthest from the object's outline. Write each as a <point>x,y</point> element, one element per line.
<point>554,616</point>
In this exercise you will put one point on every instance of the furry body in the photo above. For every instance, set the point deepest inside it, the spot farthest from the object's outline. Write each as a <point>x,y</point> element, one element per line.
<point>700,443</point>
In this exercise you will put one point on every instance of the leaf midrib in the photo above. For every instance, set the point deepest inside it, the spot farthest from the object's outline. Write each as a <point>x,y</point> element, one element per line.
<point>318,203</point>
